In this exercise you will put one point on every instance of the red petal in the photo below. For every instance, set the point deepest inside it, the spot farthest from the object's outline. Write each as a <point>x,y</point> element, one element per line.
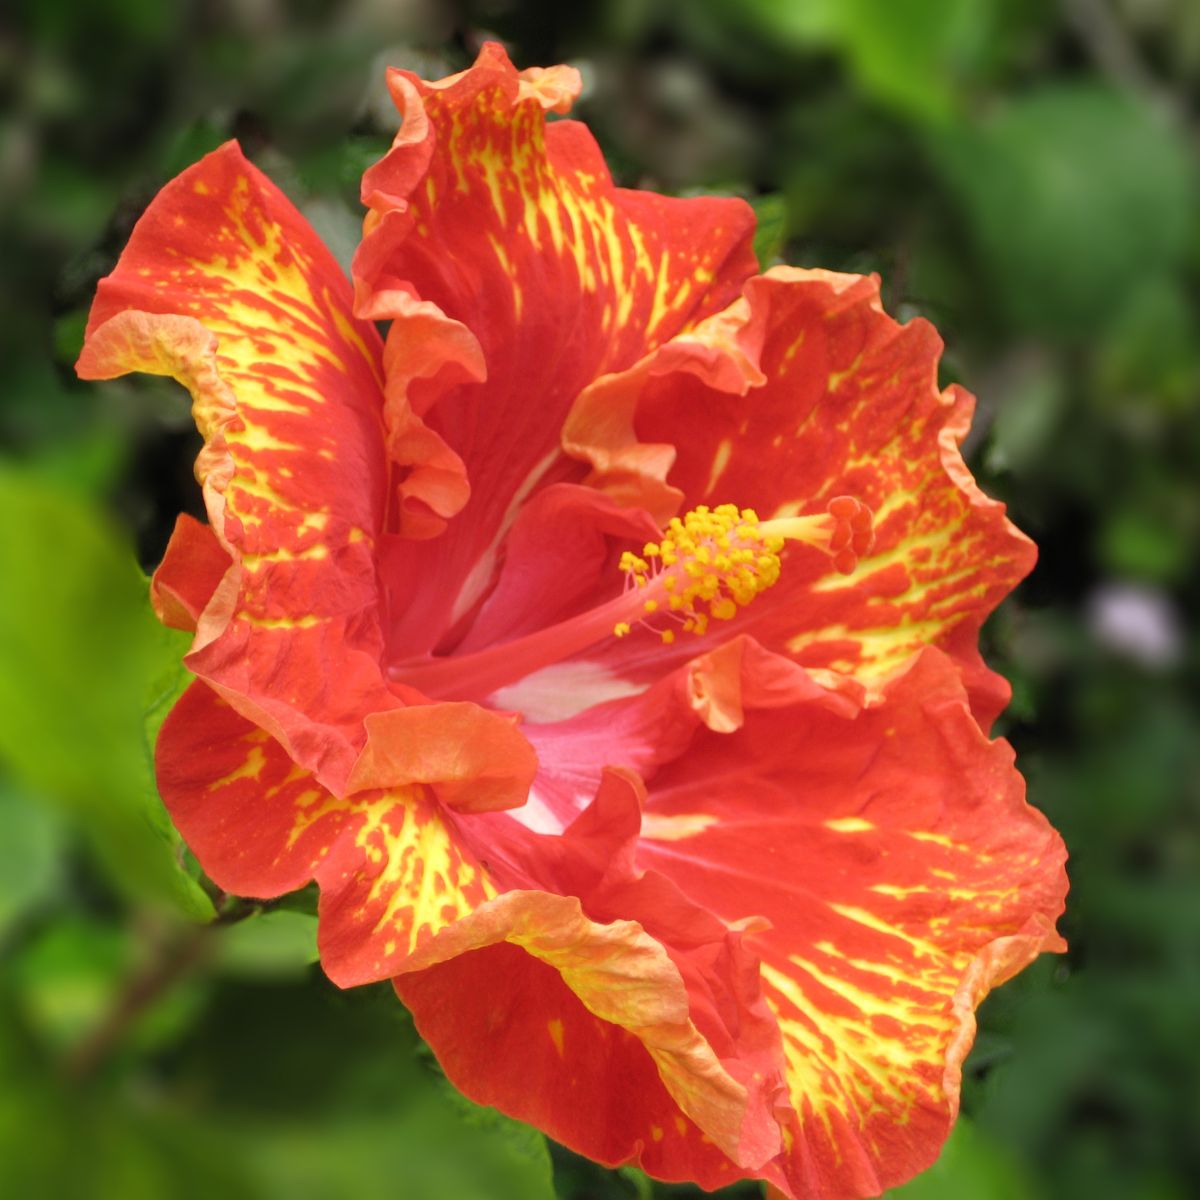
<point>849,408</point>
<point>224,286</point>
<point>557,557</point>
<point>392,871</point>
<point>642,728</point>
<point>510,1033</point>
<point>194,564</point>
<point>513,228</point>
<point>640,956</point>
<point>426,356</point>
<point>474,760</point>
<point>902,875</point>
<point>722,352</point>
<point>623,983</point>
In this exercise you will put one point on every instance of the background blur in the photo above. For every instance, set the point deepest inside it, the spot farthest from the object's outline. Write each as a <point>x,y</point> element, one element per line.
<point>1021,172</point>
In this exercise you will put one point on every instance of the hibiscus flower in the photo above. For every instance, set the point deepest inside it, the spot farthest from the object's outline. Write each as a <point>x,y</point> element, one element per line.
<point>603,642</point>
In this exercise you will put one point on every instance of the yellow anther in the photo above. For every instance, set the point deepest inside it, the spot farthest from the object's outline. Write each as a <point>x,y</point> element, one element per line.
<point>709,563</point>
<point>621,628</point>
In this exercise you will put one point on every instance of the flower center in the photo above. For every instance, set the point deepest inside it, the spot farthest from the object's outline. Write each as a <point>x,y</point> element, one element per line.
<point>707,565</point>
<point>713,562</point>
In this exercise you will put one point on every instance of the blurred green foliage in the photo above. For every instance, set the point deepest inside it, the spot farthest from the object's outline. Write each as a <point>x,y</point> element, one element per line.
<point>89,676</point>
<point>1023,174</point>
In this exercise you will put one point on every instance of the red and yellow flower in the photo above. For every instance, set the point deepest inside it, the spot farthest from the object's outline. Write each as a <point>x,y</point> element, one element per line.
<point>603,642</point>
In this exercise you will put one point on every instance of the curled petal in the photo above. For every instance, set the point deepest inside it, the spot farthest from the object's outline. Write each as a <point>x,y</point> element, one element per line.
<point>741,674</point>
<point>846,412</point>
<point>647,960</point>
<point>511,1033</point>
<point>474,760</point>
<point>513,228</point>
<point>193,566</point>
<point>224,287</point>
<point>901,873</point>
<point>723,351</point>
<point>392,871</point>
<point>621,976</point>
<point>426,355</point>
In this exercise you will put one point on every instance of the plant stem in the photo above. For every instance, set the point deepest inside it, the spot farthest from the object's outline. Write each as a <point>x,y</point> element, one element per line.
<point>176,959</point>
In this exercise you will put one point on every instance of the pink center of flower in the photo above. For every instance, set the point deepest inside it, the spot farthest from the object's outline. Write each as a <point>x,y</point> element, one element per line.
<point>707,565</point>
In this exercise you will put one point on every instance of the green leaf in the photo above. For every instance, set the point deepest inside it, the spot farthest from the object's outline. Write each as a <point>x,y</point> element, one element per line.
<point>68,977</point>
<point>1074,194</point>
<point>1137,543</point>
<point>969,1166</point>
<point>83,667</point>
<point>270,944</point>
<point>30,856</point>
<point>771,231</point>
<point>912,55</point>
<point>325,1094</point>
<point>1029,410</point>
<point>441,1150</point>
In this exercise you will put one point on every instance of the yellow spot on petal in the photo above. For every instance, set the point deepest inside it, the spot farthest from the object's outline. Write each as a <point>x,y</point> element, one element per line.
<point>306,622</point>
<point>250,769</point>
<point>849,825</point>
<point>720,462</point>
<point>555,1028</point>
<point>674,828</point>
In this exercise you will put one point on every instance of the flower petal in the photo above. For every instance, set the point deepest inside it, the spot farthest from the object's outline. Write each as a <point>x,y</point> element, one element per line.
<point>642,728</point>
<point>391,869</point>
<point>555,559</point>
<point>722,351</point>
<point>846,403</point>
<point>902,875</point>
<point>401,891</point>
<point>474,760</point>
<point>426,355</point>
<point>509,1032</point>
<point>625,1010</point>
<point>224,286</point>
<point>514,228</point>
<point>193,566</point>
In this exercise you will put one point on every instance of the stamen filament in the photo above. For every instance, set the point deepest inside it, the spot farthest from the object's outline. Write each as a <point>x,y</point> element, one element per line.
<point>474,676</point>
<point>708,565</point>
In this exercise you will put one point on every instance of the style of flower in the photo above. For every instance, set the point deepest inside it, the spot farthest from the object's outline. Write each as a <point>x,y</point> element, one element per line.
<point>603,642</point>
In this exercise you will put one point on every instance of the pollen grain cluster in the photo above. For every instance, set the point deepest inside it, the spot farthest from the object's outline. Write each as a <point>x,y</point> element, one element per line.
<point>709,563</point>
